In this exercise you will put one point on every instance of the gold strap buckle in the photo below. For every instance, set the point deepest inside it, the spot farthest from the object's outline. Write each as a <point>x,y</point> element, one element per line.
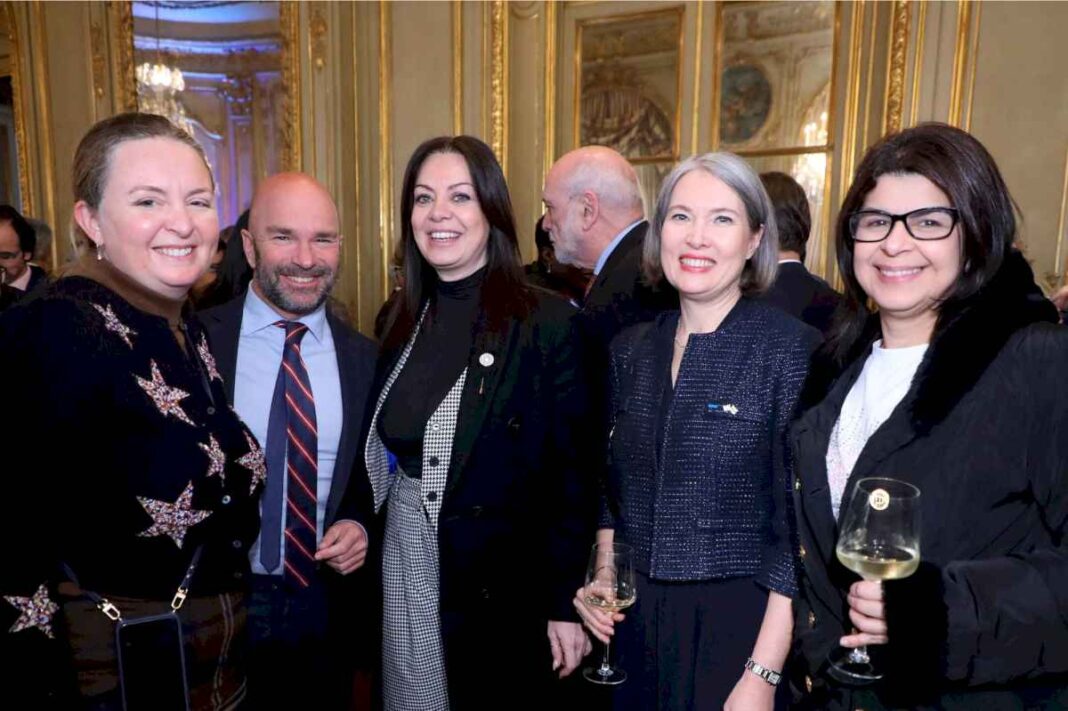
<point>179,599</point>
<point>109,609</point>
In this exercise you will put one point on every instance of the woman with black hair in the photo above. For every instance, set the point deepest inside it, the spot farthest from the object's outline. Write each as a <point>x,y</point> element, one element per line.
<point>479,443</point>
<point>952,384</point>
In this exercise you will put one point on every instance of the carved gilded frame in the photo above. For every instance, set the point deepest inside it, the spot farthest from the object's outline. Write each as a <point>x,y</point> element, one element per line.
<point>676,120</point>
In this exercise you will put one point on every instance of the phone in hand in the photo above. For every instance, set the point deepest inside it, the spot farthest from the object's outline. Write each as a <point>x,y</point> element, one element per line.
<point>151,657</point>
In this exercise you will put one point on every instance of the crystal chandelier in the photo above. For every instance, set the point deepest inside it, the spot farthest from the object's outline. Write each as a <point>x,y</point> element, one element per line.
<point>158,87</point>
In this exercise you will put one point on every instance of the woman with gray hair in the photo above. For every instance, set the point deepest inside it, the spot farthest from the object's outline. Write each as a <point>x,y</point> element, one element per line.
<point>698,481</point>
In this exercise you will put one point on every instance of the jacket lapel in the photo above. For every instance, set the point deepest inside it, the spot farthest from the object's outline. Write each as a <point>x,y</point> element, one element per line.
<point>490,356</point>
<point>224,329</point>
<point>346,355</point>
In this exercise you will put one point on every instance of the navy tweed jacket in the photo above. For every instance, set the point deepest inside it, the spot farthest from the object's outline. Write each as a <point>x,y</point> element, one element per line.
<point>712,499</point>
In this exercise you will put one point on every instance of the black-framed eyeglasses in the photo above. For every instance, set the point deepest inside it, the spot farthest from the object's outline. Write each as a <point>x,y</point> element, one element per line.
<point>926,223</point>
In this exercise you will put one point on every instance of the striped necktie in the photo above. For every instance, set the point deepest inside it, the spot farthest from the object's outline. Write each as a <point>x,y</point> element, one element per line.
<point>302,460</point>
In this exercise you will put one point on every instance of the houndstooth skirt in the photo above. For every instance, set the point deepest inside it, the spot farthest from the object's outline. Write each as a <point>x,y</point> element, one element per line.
<point>413,660</point>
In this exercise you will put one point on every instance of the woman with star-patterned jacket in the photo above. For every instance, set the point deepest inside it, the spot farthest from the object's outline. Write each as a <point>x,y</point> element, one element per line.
<point>122,458</point>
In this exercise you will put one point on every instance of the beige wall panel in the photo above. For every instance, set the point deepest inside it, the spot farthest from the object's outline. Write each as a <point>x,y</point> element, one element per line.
<point>422,79</point>
<point>475,77</point>
<point>526,35</point>
<point>1020,112</point>
<point>70,92</point>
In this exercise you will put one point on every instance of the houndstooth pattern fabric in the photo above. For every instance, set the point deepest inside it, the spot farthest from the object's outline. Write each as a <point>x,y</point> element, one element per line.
<point>413,661</point>
<point>437,450</point>
<point>375,456</point>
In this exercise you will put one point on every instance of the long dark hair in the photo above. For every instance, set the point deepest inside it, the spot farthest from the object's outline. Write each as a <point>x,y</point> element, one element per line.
<point>504,291</point>
<point>965,171</point>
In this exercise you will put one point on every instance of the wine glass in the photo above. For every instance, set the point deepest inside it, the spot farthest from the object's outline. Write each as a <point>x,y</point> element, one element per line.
<point>879,540</point>
<point>609,587</point>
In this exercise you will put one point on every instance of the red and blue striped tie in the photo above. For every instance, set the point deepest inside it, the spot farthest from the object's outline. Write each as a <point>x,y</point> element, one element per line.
<point>302,460</point>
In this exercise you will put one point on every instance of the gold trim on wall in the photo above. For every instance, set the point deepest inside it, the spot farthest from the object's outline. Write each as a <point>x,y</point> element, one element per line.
<point>457,67</point>
<point>499,83</point>
<point>960,59</point>
<point>917,64</point>
<point>852,97</point>
<point>289,21</point>
<point>699,32</point>
<point>974,55</point>
<point>385,139</point>
<point>869,71</point>
<point>38,43</point>
<point>22,104</point>
<point>897,54</point>
<point>124,76</point>
<point>821,266</point>
<point>549,147</point>
<point>717,75</point>
<point>355,241</point>
<point>679,10</point>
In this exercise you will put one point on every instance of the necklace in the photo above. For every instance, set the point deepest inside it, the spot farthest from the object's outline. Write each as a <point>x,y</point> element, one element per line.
<point>680,343</point>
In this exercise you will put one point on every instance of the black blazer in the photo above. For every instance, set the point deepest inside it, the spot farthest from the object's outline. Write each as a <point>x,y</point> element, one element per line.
<point>355,364</point>
<point>619,296</point>
<point>803,295</point>
<point>983,432</point>
<point>517,520</point>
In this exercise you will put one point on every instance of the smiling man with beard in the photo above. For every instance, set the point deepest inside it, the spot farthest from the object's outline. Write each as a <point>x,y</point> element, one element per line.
<point>299,377</point>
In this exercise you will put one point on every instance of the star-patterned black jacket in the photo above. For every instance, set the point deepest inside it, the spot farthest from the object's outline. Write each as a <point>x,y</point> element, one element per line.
<point>120,456</point>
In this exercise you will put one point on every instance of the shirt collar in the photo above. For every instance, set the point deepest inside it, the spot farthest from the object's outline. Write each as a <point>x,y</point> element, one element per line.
<point>607,252</point>
<point>23,281</point>
<point>258,315</point>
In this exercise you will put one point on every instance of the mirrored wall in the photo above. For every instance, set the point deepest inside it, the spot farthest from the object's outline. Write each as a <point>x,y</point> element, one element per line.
<point>775,66</point>
<point>216,68</point>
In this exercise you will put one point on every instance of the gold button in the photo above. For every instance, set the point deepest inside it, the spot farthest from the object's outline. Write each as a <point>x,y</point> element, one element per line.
<point>811,618</point>
<point>808,683</point>
<point>797,485</point>
<point>801,551</point>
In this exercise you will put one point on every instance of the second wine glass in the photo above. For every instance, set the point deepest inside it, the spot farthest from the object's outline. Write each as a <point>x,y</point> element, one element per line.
<point>609,587</point>
<point>879,540</point>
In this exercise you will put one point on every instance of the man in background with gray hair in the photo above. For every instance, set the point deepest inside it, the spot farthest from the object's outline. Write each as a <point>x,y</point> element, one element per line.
<point>594,214</point>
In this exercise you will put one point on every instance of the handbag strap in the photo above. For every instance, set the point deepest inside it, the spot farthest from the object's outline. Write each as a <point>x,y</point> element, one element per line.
<point>114,613</point>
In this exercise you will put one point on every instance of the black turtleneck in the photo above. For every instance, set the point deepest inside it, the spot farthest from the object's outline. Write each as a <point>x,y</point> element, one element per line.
<point>439,355</point>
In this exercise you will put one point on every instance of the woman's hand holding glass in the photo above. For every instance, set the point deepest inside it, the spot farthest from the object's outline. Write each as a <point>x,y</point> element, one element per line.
<point>867,612</point>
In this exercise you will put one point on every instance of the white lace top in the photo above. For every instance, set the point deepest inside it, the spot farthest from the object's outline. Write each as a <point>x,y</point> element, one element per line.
<point>883,383</point>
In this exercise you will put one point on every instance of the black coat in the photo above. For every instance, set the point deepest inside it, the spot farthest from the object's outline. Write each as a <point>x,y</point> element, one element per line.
<point>519,507</point>
<point>983,432</point>
<point>803,295</point>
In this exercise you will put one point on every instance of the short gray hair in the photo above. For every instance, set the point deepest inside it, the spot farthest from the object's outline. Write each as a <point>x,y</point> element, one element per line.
<point>760,269</point>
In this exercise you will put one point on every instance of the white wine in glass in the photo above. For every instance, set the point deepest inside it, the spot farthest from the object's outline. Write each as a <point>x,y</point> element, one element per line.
<point>879,540</point>
<point>609,587</point>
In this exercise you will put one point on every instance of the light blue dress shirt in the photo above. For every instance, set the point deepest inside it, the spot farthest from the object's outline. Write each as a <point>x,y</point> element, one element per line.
<point>259,356</point>
<point>607,251</point>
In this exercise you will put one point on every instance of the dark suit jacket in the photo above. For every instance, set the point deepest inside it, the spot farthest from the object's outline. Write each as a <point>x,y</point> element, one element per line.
<point>519,508</point>
<point>804,295</point>
<point>355,363</point>
<point>983,433</point>
<point>619,296</point>
<point>37,276</point>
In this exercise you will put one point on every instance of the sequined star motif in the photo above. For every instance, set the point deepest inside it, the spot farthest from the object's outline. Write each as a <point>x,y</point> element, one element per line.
<point>113,324</point>
<point>172,519</point>
<point>216,457</point>
<point>36,611</point>
<point>167,399</point>
<point>208,359</point>
<point>254,462</point>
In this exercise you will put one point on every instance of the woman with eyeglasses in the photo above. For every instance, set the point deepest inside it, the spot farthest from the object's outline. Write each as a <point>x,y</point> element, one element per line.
<point>952,383</point>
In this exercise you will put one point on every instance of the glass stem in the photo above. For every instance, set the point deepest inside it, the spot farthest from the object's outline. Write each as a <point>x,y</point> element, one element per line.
<point>606,667</point>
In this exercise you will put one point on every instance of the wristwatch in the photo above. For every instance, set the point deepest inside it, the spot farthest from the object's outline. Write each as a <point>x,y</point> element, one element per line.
<point>768,675</point>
